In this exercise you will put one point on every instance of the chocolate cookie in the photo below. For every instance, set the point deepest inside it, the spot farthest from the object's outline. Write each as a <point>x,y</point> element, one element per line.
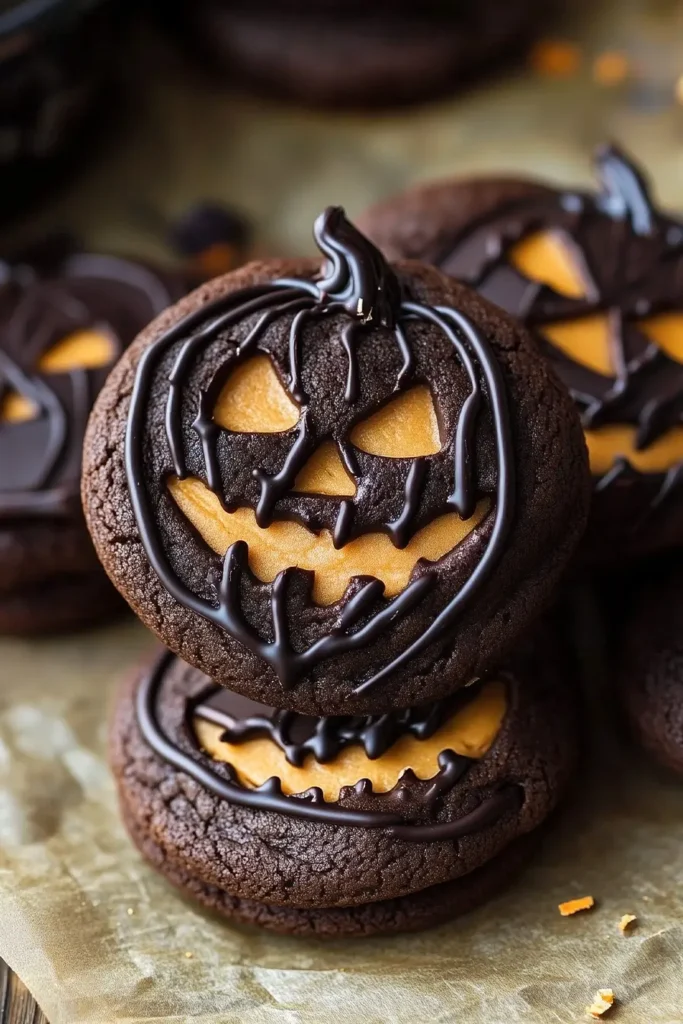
<point>414,912</point>
<point>357,54</point>
<point>650,667</point>
<point>338,489</point>
<point>348,823</point>
<point>66,317</point>
<point>597,276</point>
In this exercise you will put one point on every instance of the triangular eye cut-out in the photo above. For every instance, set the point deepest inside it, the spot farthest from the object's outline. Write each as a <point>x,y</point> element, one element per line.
<point>82,350</point>
<point>253,400</point>
<point>546,258</point>
<point>16,408</point>
<point>666,330</point>
<point>405,428</point>
<point>585,341</point>
<point>324,473</point>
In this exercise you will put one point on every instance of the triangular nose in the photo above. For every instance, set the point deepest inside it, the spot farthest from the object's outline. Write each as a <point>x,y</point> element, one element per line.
<point>324,473</point>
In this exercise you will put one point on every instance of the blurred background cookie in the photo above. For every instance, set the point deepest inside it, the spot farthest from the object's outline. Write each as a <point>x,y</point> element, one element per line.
<point>597,276</point>
<point>649,673</point>
<point>66,317</point>
<point>363,55</point>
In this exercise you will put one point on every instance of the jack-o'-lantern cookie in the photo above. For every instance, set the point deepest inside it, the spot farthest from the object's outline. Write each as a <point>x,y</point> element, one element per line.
<point>335,489</point>
<point>649,674</point>
<point>66,318</point>
<point>597,275</point>
<point>342,825</point>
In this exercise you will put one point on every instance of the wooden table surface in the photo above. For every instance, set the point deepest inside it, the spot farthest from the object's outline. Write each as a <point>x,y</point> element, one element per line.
<point>17,1005</point>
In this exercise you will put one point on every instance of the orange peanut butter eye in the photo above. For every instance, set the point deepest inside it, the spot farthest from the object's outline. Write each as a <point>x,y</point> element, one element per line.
<point>666,331</point>
<point>404,428</point>
<point>254,400</point>
<point>83,350</point>
<point>550,258</point>
<point>585,340</point>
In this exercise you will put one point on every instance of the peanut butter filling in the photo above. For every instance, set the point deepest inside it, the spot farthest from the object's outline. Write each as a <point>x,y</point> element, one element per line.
<point>285,544</point>
<point>471,732</point>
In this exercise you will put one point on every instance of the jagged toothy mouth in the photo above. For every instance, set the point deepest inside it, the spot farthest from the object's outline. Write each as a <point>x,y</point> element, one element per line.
<point>285,544</point>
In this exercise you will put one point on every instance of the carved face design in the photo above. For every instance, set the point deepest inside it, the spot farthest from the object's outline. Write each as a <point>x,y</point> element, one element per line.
<point>599,276</point>
<point>63,328</point>
<point>328,441</point>
<point>384,771</point>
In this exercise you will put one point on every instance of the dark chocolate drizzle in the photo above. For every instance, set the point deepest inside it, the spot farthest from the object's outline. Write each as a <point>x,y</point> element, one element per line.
<point>630,256</point>
<point>311,805</point>
<point>358,284</point>
<point>44,297</point>
<point>298,735</point>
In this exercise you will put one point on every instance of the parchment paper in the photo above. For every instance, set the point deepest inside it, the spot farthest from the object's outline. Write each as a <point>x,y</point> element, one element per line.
<point>92,931</point>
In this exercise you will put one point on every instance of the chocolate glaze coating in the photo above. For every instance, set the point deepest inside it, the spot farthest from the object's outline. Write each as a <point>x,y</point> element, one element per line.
<point>649,674</point>
<point>416,911</point>
<point>633,253</point>
<point>358,54</point>
<point>284,859</point>
<point>549,512</point>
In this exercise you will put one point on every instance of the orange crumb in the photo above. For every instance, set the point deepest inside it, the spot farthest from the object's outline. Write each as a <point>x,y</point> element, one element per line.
<point>555,58</point>
<point>573,906</point>
<point>626,922</point>
<point>611,67</point>
<point>602,1002</point>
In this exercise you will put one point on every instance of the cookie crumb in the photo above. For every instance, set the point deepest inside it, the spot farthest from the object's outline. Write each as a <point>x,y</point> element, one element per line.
<point>130,911</point>
<point>602,1002</point>
<point>626,922</point>
<point>188,956</point>
<point>574,906</point>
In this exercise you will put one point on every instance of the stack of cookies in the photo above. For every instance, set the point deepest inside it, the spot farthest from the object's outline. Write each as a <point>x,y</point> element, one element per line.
<point>341,492</point>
